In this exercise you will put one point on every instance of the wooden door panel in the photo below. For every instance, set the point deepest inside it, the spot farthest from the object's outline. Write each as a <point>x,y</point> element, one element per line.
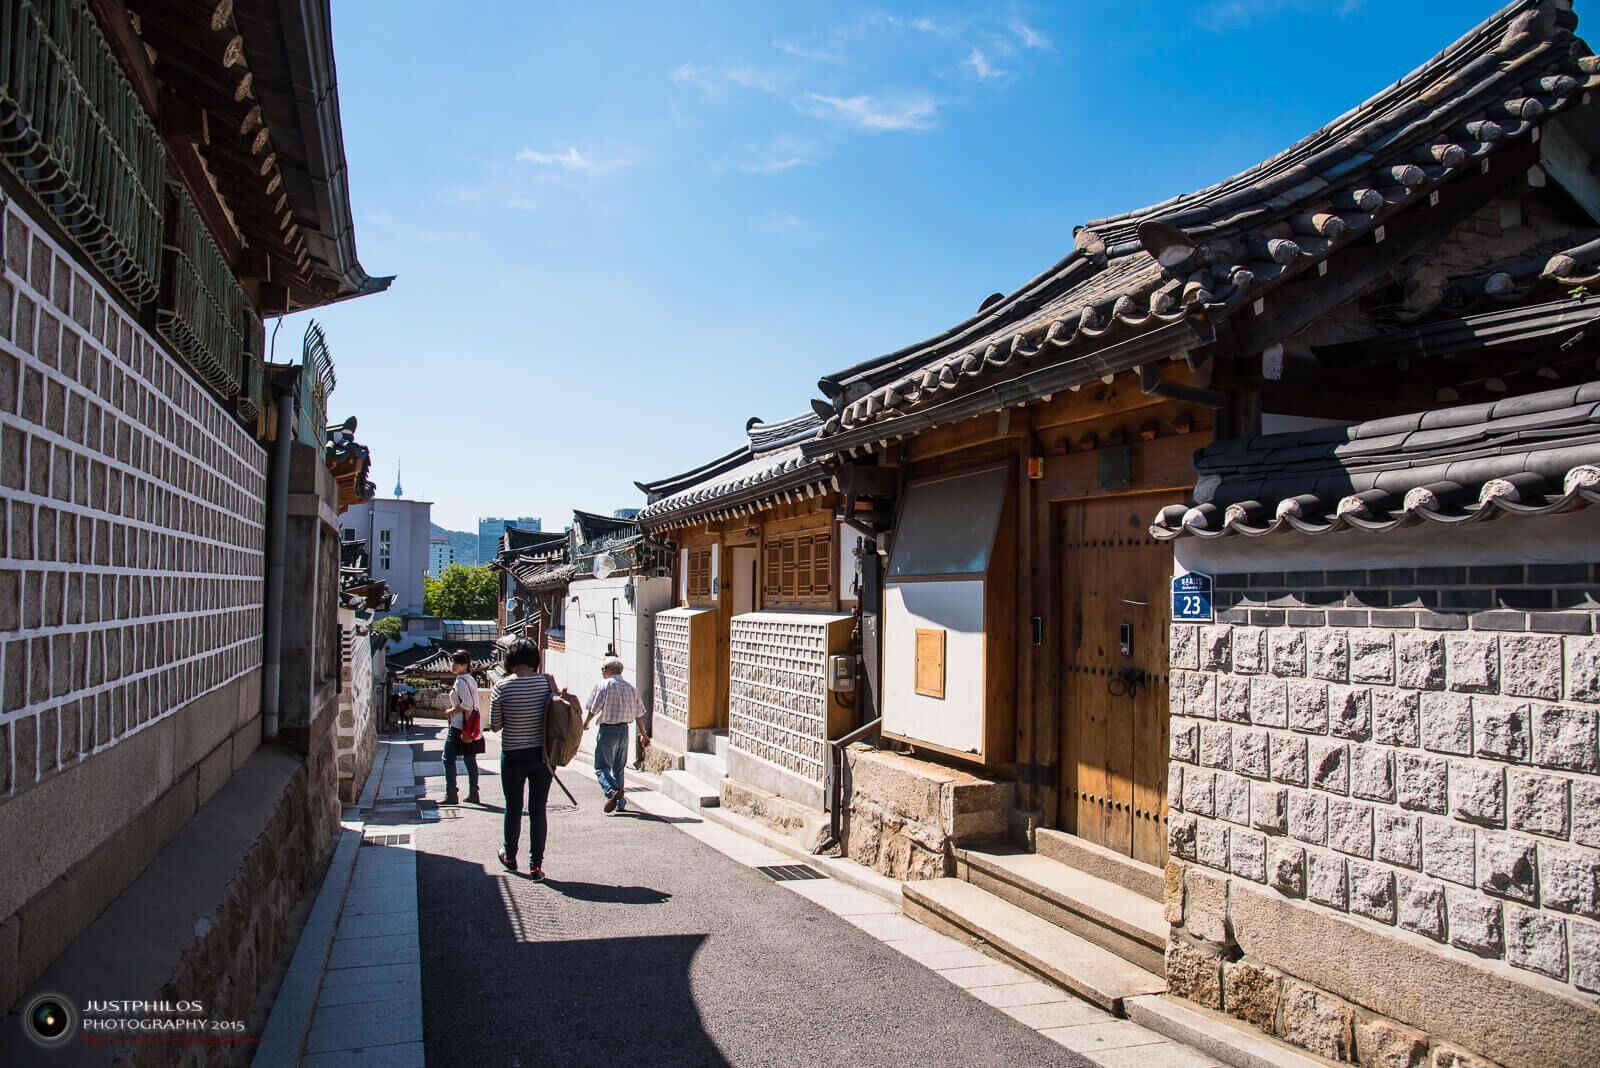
<point>1114,746</point>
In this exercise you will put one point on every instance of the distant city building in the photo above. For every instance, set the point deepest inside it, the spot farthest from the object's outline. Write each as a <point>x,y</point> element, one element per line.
<point>490,529</point>
<point>399,540</point>
<point>441,554</point>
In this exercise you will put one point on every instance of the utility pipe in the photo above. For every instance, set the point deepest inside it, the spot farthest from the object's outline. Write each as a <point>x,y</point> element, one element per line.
<point>288,402</point>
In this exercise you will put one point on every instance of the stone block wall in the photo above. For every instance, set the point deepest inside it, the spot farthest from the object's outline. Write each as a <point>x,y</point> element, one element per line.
<point>360,697</point>
<point>903,816</point>
<point>1412,751</point>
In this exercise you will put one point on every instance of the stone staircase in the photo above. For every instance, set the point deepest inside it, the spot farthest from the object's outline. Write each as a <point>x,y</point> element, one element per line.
<point>1082,917</point>
<point>698,783</point>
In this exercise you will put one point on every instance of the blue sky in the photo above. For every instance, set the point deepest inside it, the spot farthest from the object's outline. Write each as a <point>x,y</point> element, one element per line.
<point>621,230</point>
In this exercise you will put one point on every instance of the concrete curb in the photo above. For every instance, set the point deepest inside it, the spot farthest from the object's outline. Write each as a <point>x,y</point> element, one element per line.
<point>284,1037</point>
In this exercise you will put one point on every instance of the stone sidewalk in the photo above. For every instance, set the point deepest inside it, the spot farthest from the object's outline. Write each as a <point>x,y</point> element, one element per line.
<point>353,992</point>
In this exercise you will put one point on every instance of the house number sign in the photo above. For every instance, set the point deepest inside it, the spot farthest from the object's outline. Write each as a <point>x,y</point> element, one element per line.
<point>1191,598</point>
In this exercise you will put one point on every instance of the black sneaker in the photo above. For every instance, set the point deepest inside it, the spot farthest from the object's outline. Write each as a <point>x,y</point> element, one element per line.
<point>536,873</point>
<point>451,799</point>
<point>507,862</point>
<point>473,799</point>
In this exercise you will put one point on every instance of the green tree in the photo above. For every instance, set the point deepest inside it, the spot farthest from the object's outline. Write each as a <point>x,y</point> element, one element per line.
<point>462,593</point>
<point>388,626</point>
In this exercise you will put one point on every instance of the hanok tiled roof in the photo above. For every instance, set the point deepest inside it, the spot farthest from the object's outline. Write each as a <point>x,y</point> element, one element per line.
<point>594,531</point>
<point>771,463</point>
<point>536,577</point>
<point>435,660</point>
<point>1201,256</point>
<point>1526,455</point>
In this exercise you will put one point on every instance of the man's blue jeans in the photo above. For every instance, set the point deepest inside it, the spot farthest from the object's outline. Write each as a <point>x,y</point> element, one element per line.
<point>611,756</point>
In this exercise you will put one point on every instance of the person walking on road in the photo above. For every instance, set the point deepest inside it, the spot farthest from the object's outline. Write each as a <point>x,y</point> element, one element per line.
<point>517,706</point>
<point>615,703</point>
<point>463,702</point>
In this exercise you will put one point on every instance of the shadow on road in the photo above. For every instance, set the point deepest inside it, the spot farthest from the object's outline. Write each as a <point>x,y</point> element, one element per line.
<point>608,895</point>
<point>500,985</point>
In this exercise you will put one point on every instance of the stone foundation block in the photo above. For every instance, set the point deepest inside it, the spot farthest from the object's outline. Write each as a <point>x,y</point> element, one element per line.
<point>1251,993</point>
<point>1317,1021</point>
<point>1194,971</point>
<point>1381,1044</point>
<point>905,814</point>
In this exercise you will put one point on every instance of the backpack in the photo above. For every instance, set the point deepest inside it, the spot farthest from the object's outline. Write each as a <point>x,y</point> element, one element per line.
<point>563,727</point>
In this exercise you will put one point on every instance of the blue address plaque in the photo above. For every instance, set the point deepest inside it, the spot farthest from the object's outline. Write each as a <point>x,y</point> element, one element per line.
<point>1191,598</point>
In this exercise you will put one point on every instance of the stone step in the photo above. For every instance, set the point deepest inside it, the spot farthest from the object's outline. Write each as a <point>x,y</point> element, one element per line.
<point>706,767</point>
<point>1111,916</point>
<point>1102,863</point>
<point>688,791</point>
<point>1216,1035</point>
<point>1012,933</point>
<point>719,742</point>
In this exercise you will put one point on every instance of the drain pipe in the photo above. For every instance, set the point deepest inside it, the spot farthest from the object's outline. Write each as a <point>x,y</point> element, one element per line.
<point>288,402</point>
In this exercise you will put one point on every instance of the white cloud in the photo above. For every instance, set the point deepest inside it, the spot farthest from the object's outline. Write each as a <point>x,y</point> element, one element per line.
<point>784,152</point>
<point>787,225</point>
<point>1029,37</point>
<point>570,160</point>
<point>981,68</point>
<point>692,75</point>
<point>915,111</point>
<point>814,55</point>
<point>921,24</point>
<point>1235,14</point>
<point>752,78</point>
<point>712,82</point>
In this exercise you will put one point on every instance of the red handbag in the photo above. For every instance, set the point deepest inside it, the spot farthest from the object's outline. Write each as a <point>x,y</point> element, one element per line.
<point>472,726</point>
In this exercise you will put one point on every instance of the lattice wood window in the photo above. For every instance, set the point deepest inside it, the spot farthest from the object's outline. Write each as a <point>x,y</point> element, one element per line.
<point>798,569</point>
<point>699,574</point>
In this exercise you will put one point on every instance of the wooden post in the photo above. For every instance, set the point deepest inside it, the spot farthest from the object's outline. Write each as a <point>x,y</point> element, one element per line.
<point>1046,593</point>
<point>1027,658</point>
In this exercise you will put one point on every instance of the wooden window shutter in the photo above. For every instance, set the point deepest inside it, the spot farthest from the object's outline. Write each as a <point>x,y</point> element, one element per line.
<point>822,566</point>
<point>772,583</point>
<point>802,566</point>
<point>787,585</point>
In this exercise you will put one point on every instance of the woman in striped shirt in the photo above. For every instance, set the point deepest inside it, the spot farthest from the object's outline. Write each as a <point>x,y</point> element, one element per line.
<point>517,707</point>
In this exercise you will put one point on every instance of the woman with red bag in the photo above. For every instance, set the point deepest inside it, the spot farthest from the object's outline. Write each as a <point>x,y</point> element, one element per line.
<point>465,736</point>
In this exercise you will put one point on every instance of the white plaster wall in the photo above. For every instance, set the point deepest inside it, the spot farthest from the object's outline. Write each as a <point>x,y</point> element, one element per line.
<point>589,628</point>
<point>956,722</point>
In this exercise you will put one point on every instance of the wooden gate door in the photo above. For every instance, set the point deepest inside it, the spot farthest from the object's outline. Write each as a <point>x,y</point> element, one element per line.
<point>1115,588</point>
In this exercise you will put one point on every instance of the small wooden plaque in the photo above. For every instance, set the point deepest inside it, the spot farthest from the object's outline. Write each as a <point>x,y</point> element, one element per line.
<point>930,663</point>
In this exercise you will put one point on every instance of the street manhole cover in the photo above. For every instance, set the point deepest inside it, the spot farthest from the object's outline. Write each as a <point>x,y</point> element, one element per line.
<point>790,872</point>
<point>386,839</point>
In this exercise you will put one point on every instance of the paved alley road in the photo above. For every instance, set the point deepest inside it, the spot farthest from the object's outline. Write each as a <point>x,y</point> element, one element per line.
<point>645,946</point>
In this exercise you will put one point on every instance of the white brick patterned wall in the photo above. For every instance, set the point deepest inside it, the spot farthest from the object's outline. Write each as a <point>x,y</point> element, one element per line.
<point>1447,783</point>
<point>778,693</point>
<point>671,657</point>
<point>131,547</point>
<point>357,699</point>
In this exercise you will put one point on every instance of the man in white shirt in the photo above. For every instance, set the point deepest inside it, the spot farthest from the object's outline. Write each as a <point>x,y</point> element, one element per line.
<point>615,703</point>
<point>463,699</point>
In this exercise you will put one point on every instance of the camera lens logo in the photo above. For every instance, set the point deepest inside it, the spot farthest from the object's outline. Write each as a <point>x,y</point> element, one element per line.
<point>50,1020</point>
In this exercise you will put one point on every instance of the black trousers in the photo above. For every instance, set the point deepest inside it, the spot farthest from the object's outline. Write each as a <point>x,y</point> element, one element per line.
<point>519,769</point>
